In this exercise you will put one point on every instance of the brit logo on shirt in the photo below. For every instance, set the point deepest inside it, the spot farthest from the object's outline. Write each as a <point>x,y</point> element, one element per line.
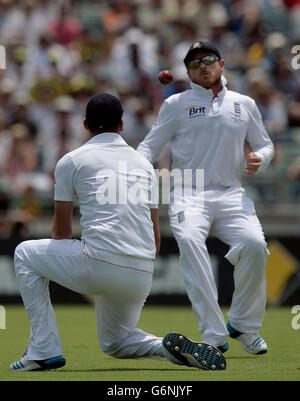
<point>195,111</point>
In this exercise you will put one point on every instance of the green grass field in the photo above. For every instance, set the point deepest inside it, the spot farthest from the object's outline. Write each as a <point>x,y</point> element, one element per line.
<point>85,360</point>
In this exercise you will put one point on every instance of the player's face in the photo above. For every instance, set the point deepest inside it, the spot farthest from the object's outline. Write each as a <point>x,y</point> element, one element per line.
<point>205,75</point>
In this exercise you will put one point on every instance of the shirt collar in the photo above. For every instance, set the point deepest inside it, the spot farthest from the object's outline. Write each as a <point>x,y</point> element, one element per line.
<point>208,92</point>
<point>106,137</point>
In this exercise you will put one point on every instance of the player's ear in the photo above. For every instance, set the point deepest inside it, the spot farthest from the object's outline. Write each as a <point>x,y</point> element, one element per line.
<point>121,126</point>
<point>222,64</point>
<point>85,124</point>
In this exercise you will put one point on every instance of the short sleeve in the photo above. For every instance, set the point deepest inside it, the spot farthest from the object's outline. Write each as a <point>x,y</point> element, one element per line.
<point>63,180</point>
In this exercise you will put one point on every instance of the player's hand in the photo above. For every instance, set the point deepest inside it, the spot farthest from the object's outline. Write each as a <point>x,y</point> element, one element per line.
<point>253,163</point>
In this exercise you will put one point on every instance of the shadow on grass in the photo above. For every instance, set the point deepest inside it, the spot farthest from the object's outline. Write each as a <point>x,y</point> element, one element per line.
<point>244,357</point>
<point>120,370</point>
<point>183,369</point>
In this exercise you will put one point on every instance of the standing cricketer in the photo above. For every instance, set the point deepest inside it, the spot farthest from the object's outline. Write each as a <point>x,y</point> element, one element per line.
<point>114,258</point>
<point>207,126</point>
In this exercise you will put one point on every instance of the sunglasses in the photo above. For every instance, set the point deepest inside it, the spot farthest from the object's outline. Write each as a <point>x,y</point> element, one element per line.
<point>206,60</point>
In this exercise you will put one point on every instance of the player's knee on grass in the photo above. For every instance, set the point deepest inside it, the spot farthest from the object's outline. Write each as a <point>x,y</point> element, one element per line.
<point>113,349</point>
<point>120,347</point>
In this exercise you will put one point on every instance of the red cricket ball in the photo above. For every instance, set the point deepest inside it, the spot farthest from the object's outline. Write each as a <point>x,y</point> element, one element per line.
<point>165,77</point>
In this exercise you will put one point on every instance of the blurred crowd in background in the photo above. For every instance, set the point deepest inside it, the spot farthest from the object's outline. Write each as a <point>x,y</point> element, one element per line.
<point>60,53</point>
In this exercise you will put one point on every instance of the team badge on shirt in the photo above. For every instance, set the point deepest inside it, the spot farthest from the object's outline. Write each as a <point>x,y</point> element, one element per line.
<point>180,216</point>
<point>236,114</point>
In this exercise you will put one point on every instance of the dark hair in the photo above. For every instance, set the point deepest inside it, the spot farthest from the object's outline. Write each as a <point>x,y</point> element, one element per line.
<point>95,130</point>
<point>103,113</point>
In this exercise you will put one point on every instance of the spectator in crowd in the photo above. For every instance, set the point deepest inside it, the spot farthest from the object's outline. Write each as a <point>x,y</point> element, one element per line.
<point>21,157</point>
<point>272,105</point>
<point>59,53</point>
<point>65,28</point>
<point>293,175</point>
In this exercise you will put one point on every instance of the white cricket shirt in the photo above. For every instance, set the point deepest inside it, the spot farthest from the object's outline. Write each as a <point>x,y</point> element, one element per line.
<point>209,133</point>
<point>112,183</point>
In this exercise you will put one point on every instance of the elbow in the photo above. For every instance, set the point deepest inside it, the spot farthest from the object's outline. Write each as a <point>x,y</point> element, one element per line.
<point>66,234</point>
<point>157,245</point>
<point>272,151</point>
<point>62,236</point>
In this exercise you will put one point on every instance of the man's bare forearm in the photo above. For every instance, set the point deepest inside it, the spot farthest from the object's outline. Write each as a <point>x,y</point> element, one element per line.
<point>154,218</point>
<point>60,235</point>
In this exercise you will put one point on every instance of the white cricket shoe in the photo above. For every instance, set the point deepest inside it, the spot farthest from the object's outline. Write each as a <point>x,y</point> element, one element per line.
<point>25,365</point>
<point>251,342</point>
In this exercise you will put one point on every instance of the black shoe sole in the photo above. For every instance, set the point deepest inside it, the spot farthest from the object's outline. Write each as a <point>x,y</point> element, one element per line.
<point>198,355</point>
<point>262,352</point>
<point>53,364</point>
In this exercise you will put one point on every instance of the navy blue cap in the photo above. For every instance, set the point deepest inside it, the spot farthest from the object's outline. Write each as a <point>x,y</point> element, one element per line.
<point>103,111</point>
<point>201,46</point>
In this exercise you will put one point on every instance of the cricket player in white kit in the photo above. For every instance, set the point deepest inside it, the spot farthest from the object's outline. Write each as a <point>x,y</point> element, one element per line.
<point>114,258</point>
<point>207,126</point>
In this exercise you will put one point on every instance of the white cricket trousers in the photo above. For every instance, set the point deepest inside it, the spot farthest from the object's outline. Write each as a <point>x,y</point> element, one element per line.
<point>120,285</point>
<point>228,214</point>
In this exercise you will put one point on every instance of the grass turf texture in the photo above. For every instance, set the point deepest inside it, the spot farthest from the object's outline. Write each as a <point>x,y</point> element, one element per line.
<point>85,360</point>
